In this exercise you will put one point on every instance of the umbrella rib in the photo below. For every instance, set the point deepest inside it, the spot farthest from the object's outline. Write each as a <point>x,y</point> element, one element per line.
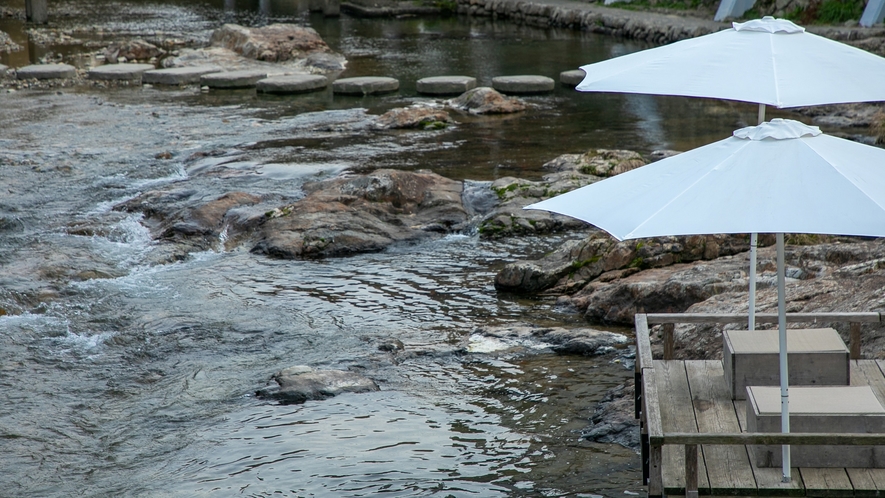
<point>855,184</point>
<point>777,90</point>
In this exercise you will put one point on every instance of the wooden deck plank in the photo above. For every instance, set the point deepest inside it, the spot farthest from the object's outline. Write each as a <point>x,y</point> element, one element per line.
<point>868,482</point>
<point>828,483</point>
<point>728,466</point>
<point>769,480</point>
<point>677,415</point>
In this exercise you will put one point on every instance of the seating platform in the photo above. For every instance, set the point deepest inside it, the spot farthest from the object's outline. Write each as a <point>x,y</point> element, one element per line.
<point>849,409</point>
<point>816,357</point>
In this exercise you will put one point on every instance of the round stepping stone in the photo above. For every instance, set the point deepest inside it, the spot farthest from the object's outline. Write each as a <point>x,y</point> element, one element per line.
<point>295,83</point>
<point>46,71</point>
<point>446,85</point>
<point>233,79</point>
<point>365,85</point>
<point>523,84</point>
<point>119,71</point>
<point>573,77</point>
<point>178,75</point>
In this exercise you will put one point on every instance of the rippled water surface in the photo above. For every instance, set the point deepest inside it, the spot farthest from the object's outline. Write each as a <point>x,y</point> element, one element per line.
<point>129,371</point>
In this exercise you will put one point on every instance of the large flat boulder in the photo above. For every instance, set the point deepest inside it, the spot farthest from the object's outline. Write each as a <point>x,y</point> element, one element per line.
<point>363,213</point>
<point>273,43</point>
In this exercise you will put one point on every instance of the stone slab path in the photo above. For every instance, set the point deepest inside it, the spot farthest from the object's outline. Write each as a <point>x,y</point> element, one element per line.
<point>46,71</point>
<point>295,83</point>
<point>178,75</point>
<point>523,84</point>
<point>445,85</point>
<point>127,72</point>
<point>233,79</point>
<point>365,85</point>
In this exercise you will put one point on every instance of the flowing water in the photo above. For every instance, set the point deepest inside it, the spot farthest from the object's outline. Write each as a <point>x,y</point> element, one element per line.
<point>126,372</point>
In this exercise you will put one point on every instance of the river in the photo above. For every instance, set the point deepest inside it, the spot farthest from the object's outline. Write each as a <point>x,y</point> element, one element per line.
<point>126,371</point>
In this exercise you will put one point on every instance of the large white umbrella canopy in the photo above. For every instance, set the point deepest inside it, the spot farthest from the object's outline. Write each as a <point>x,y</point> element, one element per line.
<point>778,177</point>
<point>764,61</point>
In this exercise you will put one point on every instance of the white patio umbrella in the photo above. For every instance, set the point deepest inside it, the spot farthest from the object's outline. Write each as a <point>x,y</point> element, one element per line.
<point>779,177</point>
<point>765,61</point>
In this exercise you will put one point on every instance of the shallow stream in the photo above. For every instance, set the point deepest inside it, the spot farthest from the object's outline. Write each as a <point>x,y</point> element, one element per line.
<point>124,374</point>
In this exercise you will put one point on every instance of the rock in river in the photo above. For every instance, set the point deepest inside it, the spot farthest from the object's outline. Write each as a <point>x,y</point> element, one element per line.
<point>485,100</point>
<point>273,43</point>
<point>301,383</point>
<point>352,214</point>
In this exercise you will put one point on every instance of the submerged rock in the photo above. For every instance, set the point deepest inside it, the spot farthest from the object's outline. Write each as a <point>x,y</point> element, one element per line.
<point>301,383</point>
<point>183,216</point>
<point>614,420</point>
<point>580,341</point>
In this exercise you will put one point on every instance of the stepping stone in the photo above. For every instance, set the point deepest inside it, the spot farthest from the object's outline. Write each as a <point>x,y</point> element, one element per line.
<point>119,71</point>
<point>365,85</point>
<point>295,83</point>
<point>233,79</point>
<point>178,75</point>
<point>3,69</point>
<point>446,85</point>
<point>572,78</point>
<point>523,84</point>
<point>46,71</point>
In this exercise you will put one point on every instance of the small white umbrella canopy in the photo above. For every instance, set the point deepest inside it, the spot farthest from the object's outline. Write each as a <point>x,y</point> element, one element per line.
<point>764,61</point>
<point>778,177</point>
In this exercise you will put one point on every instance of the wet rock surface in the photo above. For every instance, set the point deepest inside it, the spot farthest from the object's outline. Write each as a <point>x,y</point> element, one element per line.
<point>567,172</point>
<point>614,420</point>
<point>486,100</point>
<point>579,341</point>
<point>419,116</point>
<point>363,213</point>
<point>302,383</point>
<point>273,43</point>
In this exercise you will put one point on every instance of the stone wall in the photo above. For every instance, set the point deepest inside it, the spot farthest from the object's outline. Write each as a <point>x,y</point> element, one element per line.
<point>654,29</point>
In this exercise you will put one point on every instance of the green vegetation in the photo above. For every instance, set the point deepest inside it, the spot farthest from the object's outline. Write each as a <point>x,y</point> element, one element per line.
<point>827,12</point>
<point>502,191</point>
<point>637,262</point>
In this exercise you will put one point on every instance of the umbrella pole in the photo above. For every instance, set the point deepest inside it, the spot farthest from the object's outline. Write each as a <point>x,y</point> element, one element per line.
<point>754,238</point>
<point>782,333</point>
<point>751,325</point>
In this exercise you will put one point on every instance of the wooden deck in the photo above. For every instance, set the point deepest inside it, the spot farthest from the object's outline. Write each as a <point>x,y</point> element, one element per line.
<point>699,401</point>
<point>678,400</point>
